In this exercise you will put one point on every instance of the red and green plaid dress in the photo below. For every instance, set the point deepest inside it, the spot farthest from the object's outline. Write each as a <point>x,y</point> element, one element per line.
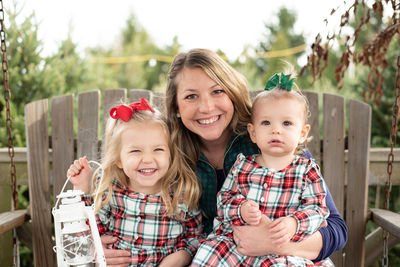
<point>297,190</point>
<point>140,223</point>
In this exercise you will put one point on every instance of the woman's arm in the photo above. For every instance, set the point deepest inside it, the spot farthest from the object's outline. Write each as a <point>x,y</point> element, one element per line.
<point>255,241</point>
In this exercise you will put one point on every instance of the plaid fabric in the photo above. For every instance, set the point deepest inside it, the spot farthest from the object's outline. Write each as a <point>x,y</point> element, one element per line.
<point>140,223</point>
<point>298,190</point>
<point>222,251</point>
<point>208,177</point>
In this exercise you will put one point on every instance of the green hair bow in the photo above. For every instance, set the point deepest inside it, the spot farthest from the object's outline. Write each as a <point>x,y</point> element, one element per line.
<point>282,82</point>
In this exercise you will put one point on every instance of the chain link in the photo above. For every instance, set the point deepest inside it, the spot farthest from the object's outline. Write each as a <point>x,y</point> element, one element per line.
<point>7,98</point>
<point>388,184</point>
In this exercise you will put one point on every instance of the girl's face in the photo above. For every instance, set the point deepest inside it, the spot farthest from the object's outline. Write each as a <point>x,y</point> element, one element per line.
<point>278,126</point>
<point>203,105</point>
<point>144,156</point>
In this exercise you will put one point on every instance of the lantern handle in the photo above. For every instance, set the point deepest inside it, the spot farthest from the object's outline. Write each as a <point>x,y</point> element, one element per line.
<point>69,177</point>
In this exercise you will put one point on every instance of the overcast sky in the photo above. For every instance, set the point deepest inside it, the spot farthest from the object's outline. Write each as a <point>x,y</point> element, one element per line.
<point>228,25</point>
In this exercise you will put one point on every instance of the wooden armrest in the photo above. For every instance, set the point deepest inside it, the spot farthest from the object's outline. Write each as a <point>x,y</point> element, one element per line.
<point>388,220</point>
<point>12,219</point>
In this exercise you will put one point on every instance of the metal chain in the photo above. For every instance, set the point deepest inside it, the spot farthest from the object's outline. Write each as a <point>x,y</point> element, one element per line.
<point>7,97</point>
<point>388,184</point>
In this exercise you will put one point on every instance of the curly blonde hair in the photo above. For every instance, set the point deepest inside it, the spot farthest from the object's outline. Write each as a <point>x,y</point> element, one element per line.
<point>179,184</point>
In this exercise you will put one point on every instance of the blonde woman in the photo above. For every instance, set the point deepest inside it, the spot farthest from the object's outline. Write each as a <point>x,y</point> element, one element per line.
<point>208,108</point>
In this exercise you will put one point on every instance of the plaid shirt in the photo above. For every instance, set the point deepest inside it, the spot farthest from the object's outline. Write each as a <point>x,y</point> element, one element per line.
<point>208,177</point>
<point>142,227</point>
<point>297,190</point>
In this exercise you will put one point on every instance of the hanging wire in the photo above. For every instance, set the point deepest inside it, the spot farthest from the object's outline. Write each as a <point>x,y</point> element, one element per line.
<point>7,97</point>
<point>388,184</point>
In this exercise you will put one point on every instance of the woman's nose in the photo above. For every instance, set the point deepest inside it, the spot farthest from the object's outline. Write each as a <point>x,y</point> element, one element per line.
<point>206,104</point>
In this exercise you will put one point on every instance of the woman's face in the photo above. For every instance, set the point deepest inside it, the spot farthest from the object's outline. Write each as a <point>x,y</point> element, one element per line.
<point>203,105</point>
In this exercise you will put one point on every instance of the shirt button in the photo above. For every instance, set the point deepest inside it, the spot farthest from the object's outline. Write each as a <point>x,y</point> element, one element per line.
<point>136,236</point>
<point>265,185</point>
<point>262,199</point>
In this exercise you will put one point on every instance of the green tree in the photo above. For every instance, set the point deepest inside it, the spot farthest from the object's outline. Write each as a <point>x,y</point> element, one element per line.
<point>141,72</point>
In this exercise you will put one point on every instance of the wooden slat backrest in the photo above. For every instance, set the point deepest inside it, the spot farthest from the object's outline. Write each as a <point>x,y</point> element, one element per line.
<point>88,124</point>
<point>89,110</point>
<point>314,146</point>
<point>110,99</point>
<point>136,94</point>
<point>62,118</point>
<point>333,154</point>
<point>36,118</point>
<point>357,186</point>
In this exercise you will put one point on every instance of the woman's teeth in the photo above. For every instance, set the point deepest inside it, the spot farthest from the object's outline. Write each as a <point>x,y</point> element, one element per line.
<point>208,121</point>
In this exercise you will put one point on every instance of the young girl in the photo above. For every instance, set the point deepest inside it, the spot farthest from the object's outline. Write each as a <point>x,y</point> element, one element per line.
<point>150,195</point>
<point>278,183</point>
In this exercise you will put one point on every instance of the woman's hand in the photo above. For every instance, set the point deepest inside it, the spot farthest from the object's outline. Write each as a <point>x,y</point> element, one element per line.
<point>282,230</point>
<point>254,240</point>
<point>115,257</point>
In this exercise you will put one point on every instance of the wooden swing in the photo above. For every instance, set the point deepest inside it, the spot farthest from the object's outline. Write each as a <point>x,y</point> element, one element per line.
<point>345,170</point>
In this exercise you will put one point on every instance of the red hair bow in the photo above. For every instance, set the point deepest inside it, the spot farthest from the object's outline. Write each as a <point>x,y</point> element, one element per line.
<point>124,112</point>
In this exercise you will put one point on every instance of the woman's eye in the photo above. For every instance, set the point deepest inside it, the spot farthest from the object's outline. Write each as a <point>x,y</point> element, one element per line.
<point>265,123</point>
<point>218,91</point>
<point>192,96</point>
<point>287,123</point>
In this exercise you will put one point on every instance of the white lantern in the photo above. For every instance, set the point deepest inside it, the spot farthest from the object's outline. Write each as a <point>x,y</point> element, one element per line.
<point>77,237</point>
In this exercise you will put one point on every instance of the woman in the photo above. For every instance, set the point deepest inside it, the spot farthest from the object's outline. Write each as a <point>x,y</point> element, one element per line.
<point>208,108</point>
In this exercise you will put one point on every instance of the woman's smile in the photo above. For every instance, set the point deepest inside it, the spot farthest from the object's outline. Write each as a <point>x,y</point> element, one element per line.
<point>208,121</point>
<point>204,107</point>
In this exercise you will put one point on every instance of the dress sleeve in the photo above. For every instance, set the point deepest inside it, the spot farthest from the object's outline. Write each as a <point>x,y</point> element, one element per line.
<point>192,233</point>
<point>229,198</point>
<point>312,212</point>
<point>334,235</point>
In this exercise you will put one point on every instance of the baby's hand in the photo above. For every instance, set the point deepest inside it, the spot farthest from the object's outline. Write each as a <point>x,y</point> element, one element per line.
<point>80,172</point>
<point>282,230</point>
<point>250,212</point>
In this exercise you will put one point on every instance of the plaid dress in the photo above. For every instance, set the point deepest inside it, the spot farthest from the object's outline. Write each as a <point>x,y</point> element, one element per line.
<point>297,190</point>
<point>142,227</point>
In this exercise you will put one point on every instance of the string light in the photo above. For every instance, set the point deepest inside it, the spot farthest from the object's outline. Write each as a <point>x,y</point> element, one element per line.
<point>168,59</point>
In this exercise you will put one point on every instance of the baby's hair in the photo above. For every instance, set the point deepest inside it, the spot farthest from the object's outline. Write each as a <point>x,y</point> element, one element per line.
<point>179,183</point>
<point>279,93</point>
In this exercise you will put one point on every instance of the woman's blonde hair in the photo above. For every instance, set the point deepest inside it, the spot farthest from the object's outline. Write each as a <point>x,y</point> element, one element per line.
<point>294,93</point>
<point>179,183</point>
<point>233,83</point>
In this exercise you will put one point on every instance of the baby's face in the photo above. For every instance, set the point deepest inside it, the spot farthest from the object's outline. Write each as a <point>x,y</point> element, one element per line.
<point>278,125</point>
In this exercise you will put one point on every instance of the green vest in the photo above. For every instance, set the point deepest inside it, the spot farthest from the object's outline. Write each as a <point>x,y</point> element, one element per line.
<point>208,176</point>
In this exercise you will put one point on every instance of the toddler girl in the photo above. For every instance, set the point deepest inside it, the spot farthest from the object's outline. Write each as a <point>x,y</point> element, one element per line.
<point>149,194</point>
<point>278,183</point>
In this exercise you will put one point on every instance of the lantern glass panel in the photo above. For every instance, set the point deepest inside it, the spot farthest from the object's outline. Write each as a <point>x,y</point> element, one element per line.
<point>78,247</point>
